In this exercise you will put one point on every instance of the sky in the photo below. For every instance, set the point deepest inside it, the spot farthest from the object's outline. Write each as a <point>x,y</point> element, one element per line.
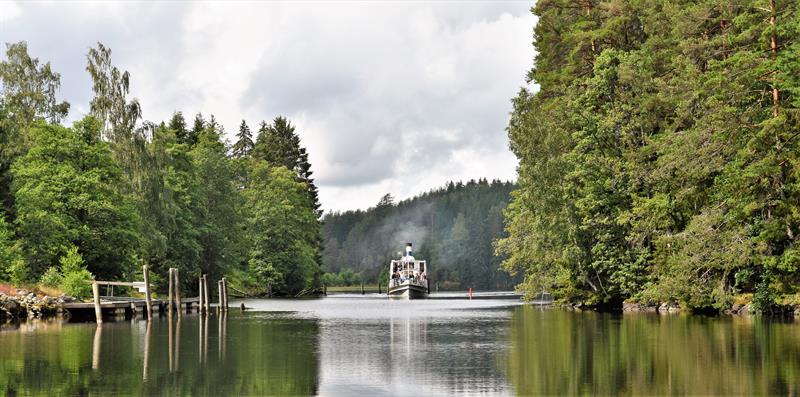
<point>388,97</point>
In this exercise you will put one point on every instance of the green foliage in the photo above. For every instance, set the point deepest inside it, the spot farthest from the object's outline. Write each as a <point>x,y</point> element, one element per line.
<point>73,279</point>
<point>654,162</point>
<point>345,278</point>
<point>51,278</point>
<point>126,193</point>
<point>67,193</point>
<point>282,228</point>
<point>76,279</point>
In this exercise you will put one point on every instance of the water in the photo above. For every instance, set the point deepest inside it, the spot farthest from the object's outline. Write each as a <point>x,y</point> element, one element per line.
<point>371,346</point>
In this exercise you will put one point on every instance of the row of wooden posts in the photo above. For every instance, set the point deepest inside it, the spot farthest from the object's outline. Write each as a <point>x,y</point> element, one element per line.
<point>173,296</point>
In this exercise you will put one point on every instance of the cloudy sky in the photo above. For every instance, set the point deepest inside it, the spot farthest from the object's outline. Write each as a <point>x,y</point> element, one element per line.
<point>387,97</point>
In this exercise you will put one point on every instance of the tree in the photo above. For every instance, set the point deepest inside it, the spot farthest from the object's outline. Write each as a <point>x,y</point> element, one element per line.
<point>67,194</point>
<point>283,230</point>
<point>110,104</point>
<point>279,145</point>
<point>29,89</point>
<point>11,261</point>
<point>221,218</point>
<point>244,142</point>
<point>178,125</point>
<point>655,163</point>
<point>28,94</point>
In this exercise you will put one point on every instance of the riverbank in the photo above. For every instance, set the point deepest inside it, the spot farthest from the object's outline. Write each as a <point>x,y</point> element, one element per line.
<point>743,307</point>
<point>25,304</point>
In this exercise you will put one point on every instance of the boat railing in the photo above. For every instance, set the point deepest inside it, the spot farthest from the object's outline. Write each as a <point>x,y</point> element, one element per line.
<point>395,282</point>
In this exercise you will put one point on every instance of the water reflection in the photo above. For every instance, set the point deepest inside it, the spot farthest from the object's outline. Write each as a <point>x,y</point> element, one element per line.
<point>360,347</point>
<point>407,356</point>
<point>256,356</point>
<point>557,352</point>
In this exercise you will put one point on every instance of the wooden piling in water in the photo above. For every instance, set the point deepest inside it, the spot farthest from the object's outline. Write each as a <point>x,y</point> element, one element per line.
<point>171,294</point>
<point>219,292</point>
<point>205,291</point>
<point>224,295</point>
<point>98,312</point>
<point>177,292</point>
<point>149,302</point>
<point>200,294</point>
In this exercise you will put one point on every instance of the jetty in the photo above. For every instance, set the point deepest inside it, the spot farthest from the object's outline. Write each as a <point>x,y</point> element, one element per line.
<point>122,307</point>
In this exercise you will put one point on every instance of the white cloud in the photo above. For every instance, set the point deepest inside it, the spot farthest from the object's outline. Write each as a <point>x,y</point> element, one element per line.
<point>388,97</point>
<point>9,10</point>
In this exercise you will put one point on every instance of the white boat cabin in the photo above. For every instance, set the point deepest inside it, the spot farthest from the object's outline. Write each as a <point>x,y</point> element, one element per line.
<point>408,271</point>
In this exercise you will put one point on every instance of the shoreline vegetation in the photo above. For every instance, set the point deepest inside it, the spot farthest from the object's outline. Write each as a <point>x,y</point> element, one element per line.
<point>100,198</point>
<point>659,156</point>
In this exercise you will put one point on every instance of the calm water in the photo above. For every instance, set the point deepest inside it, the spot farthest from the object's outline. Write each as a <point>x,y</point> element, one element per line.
<point>370,346</point>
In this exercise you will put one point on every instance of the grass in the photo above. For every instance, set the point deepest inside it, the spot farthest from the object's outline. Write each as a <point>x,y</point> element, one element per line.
<point>356,288</point>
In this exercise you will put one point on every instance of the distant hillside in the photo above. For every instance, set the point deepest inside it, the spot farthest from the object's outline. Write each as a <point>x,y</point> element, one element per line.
<point>451,227</point>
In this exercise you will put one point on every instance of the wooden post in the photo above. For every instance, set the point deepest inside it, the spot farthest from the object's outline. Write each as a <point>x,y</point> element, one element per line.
<point>224,295</point>
<point>178,292</point>
<point>200,294</point>
<point>219,291</point>
<point>149,303</point>
<point>171,293</point>
<point>98,312</point>
<point>362,288</point>
<point>379,287</point>
<point>269,290</point>
<point>205,293</point>
<point>325,289</point>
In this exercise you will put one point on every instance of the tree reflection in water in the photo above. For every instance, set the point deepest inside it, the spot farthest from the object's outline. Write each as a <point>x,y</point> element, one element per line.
<point>560,352</point>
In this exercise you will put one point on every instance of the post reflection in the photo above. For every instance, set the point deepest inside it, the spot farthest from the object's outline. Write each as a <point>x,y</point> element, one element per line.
<point>98,333</point>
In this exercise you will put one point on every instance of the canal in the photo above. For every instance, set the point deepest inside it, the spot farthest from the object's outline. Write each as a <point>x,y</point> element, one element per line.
<point>348,345</point>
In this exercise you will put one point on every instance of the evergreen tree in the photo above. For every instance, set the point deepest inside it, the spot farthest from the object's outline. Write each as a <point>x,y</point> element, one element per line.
<point>654,160</point>
<point>244,142</point>
<point>178,125</point>
<point>279,145</point>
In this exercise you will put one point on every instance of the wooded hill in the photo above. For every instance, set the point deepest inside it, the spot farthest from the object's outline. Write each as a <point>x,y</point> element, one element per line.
<point>452,227</point>
<point>660,156</point>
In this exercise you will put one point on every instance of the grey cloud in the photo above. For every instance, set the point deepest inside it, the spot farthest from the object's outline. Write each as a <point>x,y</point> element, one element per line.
<point>380,92</point>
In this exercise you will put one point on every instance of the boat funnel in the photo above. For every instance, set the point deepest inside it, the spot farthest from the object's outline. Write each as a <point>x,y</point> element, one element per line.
<point>408,249</point>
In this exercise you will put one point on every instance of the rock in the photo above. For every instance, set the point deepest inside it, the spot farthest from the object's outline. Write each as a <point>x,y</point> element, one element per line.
<point>632,307</point>
<point>745,310</point>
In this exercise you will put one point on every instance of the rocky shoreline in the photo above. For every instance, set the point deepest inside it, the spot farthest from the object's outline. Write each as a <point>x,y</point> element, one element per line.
<point>25,304</point>
<point>673,308</point>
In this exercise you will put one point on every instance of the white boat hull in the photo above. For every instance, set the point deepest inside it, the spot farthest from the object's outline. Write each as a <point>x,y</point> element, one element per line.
<point>408,291</point>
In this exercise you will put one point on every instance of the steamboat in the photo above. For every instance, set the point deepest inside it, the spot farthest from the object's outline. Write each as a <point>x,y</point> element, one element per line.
<point>408,277</point>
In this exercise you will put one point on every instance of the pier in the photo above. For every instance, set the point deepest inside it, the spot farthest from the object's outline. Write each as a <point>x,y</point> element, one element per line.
<point>123,307</point>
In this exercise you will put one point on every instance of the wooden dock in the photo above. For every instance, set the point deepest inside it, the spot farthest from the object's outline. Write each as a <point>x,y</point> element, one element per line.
<point>118,307</point>
<point>115,307</point>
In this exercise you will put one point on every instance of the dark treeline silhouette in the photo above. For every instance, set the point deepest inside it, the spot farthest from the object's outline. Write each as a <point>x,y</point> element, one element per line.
<point>452,227</point>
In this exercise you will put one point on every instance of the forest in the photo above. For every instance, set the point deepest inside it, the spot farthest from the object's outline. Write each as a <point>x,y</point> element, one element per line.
<point>658,150</point>
<point>112,192</point>
<point>452,227</point>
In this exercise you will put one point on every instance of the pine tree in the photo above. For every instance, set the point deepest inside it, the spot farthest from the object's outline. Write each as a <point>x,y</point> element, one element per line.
<point>244,142</point>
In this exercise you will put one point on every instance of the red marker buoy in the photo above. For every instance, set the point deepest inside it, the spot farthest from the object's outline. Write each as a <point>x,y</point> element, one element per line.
<point>470,293</point>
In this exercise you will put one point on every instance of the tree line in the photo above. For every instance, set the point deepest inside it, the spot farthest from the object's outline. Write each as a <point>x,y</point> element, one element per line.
<point>659,155</point>
<point>451,227</point>
<point>112,192</point>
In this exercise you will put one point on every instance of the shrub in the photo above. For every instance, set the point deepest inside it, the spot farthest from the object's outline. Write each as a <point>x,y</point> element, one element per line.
<point>51,278</point>
<point>75,279</point>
